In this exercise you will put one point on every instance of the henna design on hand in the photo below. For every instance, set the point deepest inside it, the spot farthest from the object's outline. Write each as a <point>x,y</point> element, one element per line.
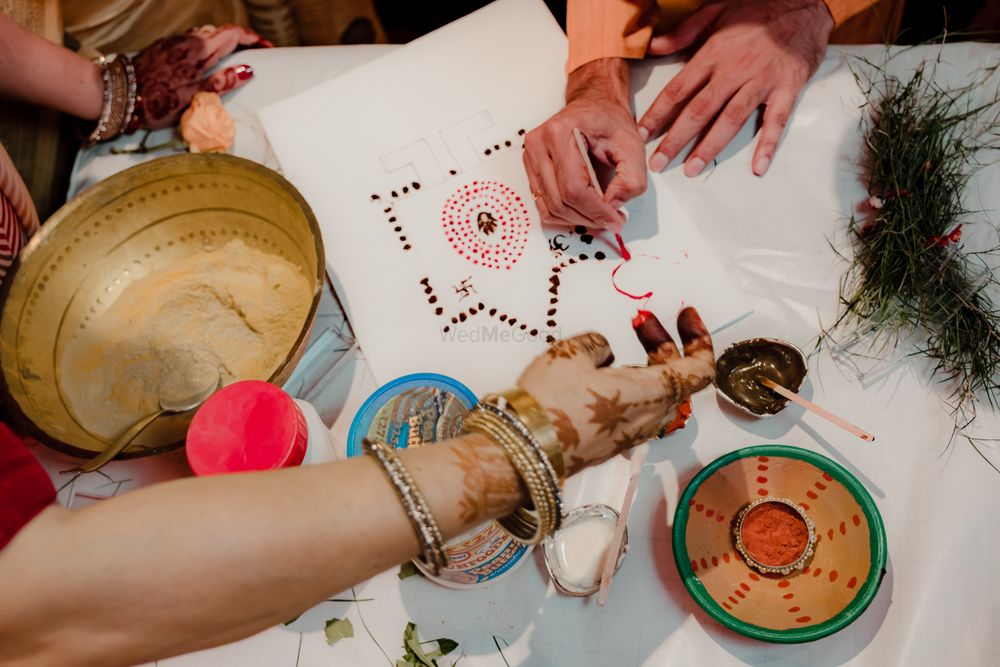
<point>490,483</point>
<point>564,349</point>
<point>171,70</point>
<point>628,440</point>
<point>565,431</point>
<point>607,412</point>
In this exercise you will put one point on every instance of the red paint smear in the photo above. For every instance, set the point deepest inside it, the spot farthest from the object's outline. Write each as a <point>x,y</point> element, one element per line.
<point>623,292</point>
<point>626,255</point>
<point>640,317</point>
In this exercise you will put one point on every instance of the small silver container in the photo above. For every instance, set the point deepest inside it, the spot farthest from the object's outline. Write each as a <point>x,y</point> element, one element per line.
<point>563,582</point>
<point>742,362</point>
<point>784,568</point>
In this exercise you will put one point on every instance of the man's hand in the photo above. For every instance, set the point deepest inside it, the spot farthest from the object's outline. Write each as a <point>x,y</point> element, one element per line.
<point>597,102</point>
<point>754,52</point>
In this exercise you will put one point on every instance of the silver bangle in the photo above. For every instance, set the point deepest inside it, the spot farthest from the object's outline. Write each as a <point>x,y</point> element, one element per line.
<point>414,504</point>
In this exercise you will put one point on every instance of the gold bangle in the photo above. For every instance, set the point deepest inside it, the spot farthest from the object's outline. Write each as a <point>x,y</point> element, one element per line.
<point>492,404</point>
<point>534,417</point>
<point>529,525</point>
<point>414,503</point>
<point>539,490</point>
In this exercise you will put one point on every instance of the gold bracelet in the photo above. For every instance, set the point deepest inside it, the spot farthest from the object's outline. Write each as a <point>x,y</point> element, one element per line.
<point>416,507</point>
<point>526,524</point>
<point>533,416</point>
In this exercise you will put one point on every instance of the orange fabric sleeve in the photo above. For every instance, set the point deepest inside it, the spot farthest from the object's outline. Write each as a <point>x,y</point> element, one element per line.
<point>607,29</point>
<point>841,10</point>
<point>622,28</point>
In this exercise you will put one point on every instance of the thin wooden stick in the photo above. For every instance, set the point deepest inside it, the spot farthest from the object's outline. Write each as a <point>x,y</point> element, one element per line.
<point>581,143</point>
<point>638,457</point>
<point>809,405</point>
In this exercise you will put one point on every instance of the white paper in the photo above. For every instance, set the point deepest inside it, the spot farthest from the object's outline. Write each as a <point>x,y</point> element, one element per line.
<point>401,160</point>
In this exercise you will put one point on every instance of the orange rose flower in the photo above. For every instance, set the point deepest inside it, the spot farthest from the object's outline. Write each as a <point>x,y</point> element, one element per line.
<point>206,125</point>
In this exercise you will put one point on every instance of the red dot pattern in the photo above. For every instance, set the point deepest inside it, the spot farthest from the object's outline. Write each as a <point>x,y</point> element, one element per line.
<point>504,245</point>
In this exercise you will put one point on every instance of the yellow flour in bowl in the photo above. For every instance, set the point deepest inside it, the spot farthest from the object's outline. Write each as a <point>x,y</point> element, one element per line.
<point>232,313</point>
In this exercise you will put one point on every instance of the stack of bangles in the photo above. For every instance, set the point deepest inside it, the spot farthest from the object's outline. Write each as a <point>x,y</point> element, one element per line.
<point>518,425</point>
<point>118,113</point>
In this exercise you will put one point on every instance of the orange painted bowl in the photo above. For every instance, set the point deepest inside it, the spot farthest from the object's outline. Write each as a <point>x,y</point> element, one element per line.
<point>837,584</point>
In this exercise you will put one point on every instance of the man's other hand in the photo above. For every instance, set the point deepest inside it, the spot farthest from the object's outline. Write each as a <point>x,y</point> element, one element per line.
<point>750,53</point>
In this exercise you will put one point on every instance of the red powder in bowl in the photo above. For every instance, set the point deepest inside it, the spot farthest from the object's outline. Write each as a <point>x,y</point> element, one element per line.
<point>774,534</point>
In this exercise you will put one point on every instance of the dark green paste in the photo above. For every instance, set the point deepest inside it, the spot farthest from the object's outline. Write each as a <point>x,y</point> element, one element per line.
<point>742,363</point>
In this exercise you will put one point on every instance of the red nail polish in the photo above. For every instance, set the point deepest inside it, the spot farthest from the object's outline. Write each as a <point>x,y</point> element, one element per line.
<point>244,72</point>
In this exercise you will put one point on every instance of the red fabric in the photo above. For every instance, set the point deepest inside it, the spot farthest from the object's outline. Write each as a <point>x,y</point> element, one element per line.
<point>25,487</point>
<point>11,235</point>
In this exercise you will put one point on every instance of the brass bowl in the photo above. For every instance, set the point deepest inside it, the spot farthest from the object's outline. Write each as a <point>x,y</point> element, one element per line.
<point>126,227</point>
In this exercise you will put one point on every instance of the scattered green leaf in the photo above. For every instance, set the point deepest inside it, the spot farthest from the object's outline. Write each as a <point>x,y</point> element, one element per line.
<point>445,646</point>
<point>337,629</point>
<point>415,656</point>
<point>407,570</point>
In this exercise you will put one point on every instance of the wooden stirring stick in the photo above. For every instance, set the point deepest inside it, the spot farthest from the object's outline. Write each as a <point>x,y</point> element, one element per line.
<point>581,143</point>
<point>809,405</point>
<point>638,457</point>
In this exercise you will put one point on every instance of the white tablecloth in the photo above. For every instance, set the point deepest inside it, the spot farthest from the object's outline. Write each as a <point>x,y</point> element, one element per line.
<point>940,601</point>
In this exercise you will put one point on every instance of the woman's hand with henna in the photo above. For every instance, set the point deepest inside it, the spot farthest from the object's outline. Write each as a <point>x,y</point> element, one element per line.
<point>600,411</point>
<point>171,70</point>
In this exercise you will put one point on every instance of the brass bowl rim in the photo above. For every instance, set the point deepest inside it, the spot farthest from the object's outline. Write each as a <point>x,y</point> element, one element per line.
<point>744,409</point>
<point>11,407</point>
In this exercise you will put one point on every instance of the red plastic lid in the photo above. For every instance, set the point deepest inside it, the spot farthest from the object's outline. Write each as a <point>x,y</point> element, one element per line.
<point>249,425</point>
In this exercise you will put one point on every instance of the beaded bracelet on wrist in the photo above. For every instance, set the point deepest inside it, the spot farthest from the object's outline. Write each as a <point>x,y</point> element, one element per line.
<point>414,504</point>
<point>119,97</point>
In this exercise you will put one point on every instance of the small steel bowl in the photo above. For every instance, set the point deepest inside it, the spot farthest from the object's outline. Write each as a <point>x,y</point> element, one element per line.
<point>785,568</point>
<point>737,366</point>
<point>123,228</point>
